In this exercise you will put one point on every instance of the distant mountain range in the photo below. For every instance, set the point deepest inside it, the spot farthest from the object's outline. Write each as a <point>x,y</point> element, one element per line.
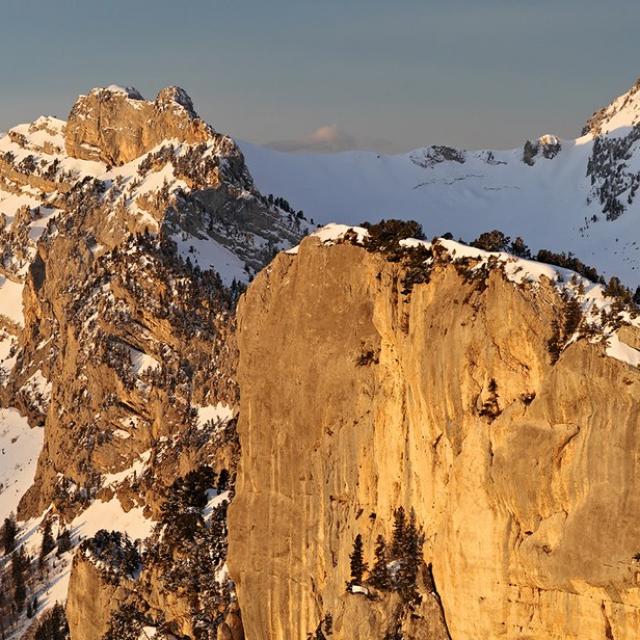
<point>564,195</point>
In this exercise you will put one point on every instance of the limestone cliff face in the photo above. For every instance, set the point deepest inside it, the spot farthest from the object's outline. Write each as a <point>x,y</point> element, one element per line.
<point>358,397</point>
<point>90,601</point>
<point>116,125</point>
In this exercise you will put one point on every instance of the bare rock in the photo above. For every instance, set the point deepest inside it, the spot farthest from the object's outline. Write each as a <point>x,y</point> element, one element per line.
<point>116,125</point>
<point>515,508</point>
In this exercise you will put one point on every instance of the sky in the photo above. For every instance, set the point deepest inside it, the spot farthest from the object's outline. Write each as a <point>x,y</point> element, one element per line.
<point>330,75</point>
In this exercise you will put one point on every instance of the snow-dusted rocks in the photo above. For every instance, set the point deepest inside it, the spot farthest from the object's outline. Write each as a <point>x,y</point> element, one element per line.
<point>116,125</point>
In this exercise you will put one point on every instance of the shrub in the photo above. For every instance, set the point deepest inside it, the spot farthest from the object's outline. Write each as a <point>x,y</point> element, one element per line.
<point>385,236</point>
<point>491,241</point>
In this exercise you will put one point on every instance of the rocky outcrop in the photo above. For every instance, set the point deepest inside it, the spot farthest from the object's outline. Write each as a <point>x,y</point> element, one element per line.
<point>133,231</point>
<point>360,395</point>
<point>116,125</point>
<point>90,601</point>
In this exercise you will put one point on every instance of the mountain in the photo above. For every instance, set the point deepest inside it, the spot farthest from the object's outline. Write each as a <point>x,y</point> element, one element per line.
<point>466,429</point>
<point>562,195</point>
<point>216,425</point>
<point>127,234</point>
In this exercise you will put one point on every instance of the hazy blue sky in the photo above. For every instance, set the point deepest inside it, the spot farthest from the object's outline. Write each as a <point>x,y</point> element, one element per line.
<point>394,75</point>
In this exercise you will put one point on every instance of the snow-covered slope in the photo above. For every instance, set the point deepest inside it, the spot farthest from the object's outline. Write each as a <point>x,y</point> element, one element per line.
<point>564,195</point>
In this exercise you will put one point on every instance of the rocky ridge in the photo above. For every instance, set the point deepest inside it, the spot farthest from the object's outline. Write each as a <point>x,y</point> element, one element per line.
<point>123,254</point>
<point>575,195</point>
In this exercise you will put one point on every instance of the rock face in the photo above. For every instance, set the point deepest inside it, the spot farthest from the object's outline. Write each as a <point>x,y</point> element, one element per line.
<point>90,601</point>
<point>116,125</point>
<point>358,397</point>
<point>126,236</point>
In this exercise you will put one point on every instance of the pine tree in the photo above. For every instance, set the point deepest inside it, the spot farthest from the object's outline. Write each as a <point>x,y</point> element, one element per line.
<point>379,574</point>
<point>519,248</point>
<point>223,480</point>
<point>63,542</point>
<point>358,566</point>
<point>48,543</point>
<point>412,554</point>
<point>9,531</point>
<point>53,625</point>
<point>19,565</point>
<point>399,532</point>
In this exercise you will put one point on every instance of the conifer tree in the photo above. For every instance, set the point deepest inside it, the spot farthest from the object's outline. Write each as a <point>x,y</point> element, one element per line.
<point>358,566</point>
<point>412,554</point>
<point>54,625</point>
<point>9,531</point>
<point>223,480</point>
<point>519,248</point>
<point>399,532</point>
<point>19,564</point>
<point>379,574</point>
<point>48,543</point>
<point>63,542</point>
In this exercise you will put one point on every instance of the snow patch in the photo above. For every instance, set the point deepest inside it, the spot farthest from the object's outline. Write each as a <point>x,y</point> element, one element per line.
<point>218,413</point>
<point>20,447</point>
<point>11,300</point>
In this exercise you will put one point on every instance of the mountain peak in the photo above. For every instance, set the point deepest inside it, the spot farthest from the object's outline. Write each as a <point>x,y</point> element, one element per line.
<point>171,96</point>
<point>116,125</point>
<point>622,113</point>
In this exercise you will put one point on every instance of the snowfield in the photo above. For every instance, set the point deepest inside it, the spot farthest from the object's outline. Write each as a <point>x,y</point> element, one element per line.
<point>549,204</point>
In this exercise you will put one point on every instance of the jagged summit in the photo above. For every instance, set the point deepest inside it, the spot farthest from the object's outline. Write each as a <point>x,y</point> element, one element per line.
<point>116,125</point>
<point>151,165</point>
<point>622,113</point>
<point>125,236</point>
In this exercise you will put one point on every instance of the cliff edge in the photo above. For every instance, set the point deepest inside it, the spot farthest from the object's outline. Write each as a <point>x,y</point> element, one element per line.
<point>366,388</point>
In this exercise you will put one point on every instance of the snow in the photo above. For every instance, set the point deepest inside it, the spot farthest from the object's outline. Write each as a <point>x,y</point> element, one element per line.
<point>128,92</point>
<point>100,515</point>
<point>623,352</point>
<point>218,413</point>
<point>111,516</point>
<point>142,361</point>
<point>214,499</point>
<point>209,254</point>
<point>11,300</point>
<point>356,588</point>
<point>20,446</point>
<point>332,232</point>
<point>37,383</point>
<point>546,204</point>
<point>135,470</point>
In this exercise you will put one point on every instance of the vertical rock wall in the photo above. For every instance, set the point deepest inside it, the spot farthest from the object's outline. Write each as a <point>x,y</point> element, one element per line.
<point>524,474</point>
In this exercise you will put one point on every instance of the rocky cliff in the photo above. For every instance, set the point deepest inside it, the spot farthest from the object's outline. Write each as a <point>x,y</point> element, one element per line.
<point>435,442</point>
<point>127,235</point>
<point>365,388</point>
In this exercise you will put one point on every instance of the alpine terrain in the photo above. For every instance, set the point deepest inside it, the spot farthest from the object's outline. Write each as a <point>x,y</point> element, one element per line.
<point>564,195</point>
<point>221,422</point>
